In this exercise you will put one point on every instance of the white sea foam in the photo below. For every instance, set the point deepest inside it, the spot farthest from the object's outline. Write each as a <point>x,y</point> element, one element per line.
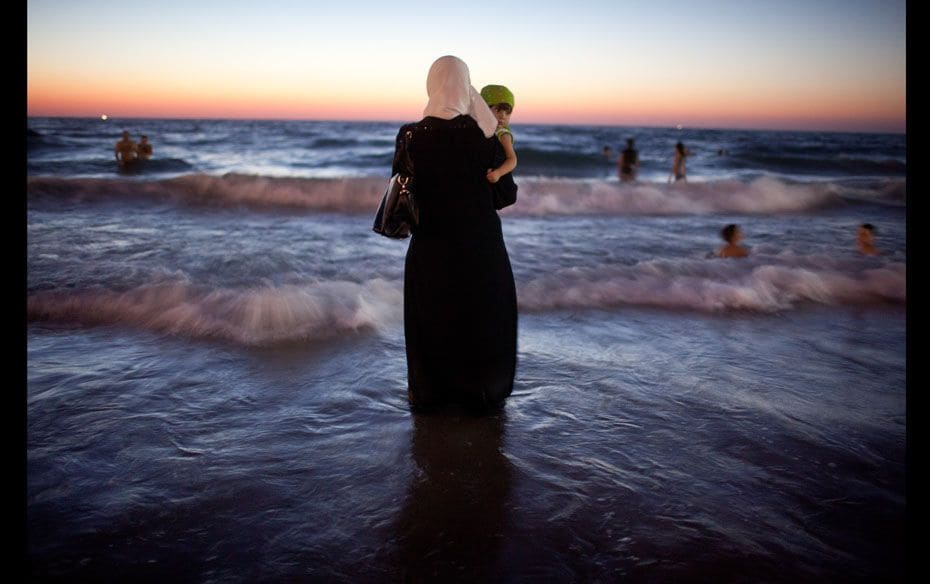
<point>573,197</point>
<point>322,310</point>
<point>536,196</point>
<point>350,195</point>
<point>255,316</point>
<point>714,286</point>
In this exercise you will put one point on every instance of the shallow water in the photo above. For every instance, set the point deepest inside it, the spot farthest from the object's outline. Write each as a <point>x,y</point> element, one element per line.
<point>216,384</point>
<point>654,444</point>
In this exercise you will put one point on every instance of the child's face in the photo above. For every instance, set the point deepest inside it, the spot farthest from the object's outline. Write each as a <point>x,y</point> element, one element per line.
<point>502,112</point>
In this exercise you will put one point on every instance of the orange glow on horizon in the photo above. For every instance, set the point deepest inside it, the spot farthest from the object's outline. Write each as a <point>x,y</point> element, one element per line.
<point>655,107</point>
<point>795,65</point>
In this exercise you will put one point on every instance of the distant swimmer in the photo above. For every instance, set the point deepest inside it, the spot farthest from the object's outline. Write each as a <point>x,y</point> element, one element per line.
<point>607,153</point>
<point>628,163</point>
<point>125,150</point>
<point>865,239</point>
<point>144,148</point>
<point>679,168</point>
<point>732,235</point>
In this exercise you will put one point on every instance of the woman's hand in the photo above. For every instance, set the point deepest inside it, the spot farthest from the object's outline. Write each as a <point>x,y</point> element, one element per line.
<point>492,175</point>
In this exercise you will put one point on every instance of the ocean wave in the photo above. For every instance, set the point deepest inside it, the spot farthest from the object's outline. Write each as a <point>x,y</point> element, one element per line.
<point>104,166</point>
<point>715,285</point>
<point>820,162</point>
<point>890,192</point>
<point>324,310</point>
<point>253,317</point>
<point>352,195</point>
<point>37,140</point>
<point>555,162</point>
<point>764,195</point>
<point>536,196</point>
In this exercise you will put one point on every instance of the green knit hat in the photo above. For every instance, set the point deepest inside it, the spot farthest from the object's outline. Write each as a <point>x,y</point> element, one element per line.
<point>495,94</point>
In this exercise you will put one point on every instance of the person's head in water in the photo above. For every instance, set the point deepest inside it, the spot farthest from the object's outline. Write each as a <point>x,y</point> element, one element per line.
<point>629,143</point>
<point>500,100</point>
<point>680,148</point>
<point>732,235</point>
<point>865,239</point>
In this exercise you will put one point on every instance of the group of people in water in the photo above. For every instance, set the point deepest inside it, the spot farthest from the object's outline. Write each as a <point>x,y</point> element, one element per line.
<point>628,165</point>
<point>127,151</point>
<point>628,162</point>
<point>732,235</point>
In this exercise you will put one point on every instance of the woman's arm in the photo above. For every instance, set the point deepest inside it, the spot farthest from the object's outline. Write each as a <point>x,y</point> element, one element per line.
<point>402,162</point>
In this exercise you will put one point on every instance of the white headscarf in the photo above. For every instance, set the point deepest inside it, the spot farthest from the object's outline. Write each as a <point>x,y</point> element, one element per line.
<point>448,86</point>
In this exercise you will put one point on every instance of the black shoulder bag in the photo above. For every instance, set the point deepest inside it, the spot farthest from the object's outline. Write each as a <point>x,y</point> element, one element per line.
<point>398,212</point>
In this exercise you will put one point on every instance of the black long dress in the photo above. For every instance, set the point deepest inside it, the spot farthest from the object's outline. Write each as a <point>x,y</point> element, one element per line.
<point>460,302</point>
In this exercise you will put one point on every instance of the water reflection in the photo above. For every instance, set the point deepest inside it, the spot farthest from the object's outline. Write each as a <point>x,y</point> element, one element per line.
<point>452,522</point>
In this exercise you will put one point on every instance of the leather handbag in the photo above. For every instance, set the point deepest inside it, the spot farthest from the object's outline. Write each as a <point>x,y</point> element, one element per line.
<point>398,213</point>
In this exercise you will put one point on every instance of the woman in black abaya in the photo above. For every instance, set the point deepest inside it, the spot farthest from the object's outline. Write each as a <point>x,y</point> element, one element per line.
<point>460,305</point>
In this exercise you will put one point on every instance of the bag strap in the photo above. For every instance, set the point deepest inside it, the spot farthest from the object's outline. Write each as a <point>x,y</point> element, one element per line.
<point>403,164</point>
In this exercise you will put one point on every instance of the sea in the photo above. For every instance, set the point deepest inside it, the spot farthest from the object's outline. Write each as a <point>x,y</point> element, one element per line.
<point>215,379</point>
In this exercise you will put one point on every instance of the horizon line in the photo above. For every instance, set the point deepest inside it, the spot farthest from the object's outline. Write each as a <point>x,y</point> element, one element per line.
<point>399,121</point>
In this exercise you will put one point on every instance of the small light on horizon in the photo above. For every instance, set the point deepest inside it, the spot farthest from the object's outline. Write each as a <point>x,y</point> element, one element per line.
<point>103,117</point>
<point>679,126</point>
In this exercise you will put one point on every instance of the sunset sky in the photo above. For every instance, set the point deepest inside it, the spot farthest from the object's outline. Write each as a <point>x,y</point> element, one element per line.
<point>780,64</point>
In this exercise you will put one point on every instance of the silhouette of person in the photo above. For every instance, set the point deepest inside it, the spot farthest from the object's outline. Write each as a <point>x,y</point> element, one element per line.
<point>679,168</point>
<point>125,150</point>
<point>607,153</point>
<point>144,148</point>
<point>732,235</point>
<point>865,239</point>
<point>628,163</point>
